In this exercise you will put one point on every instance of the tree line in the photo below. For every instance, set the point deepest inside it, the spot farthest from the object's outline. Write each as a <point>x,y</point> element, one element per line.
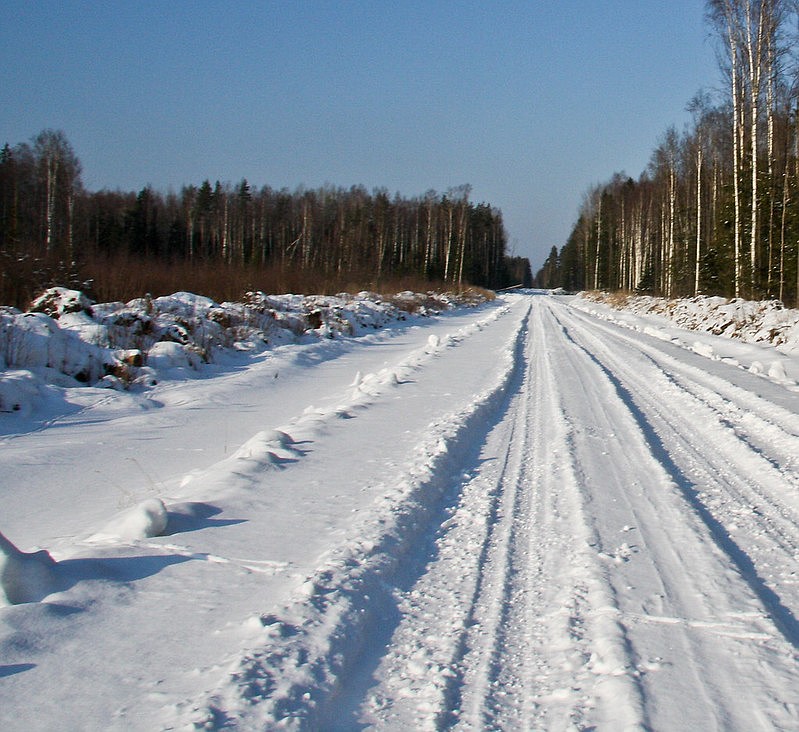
<point>717,209</point>
<point>50,227</point>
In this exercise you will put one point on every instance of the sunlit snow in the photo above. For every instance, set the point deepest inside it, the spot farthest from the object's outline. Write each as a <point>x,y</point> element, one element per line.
<point>538,512</point>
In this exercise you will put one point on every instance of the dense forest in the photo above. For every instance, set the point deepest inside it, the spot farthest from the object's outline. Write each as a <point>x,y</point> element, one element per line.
<point>717,209</point>
<point>53,231</point>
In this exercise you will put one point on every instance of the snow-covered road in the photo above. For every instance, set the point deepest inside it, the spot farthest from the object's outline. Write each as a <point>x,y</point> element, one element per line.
<point>515,517</point>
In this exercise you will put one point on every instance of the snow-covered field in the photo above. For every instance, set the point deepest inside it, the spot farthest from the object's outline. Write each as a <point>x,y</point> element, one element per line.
<point>536,513</point>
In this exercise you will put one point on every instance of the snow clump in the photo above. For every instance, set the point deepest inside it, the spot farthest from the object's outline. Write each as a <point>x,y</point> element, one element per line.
<point>143,521</point>
<point>24,577</point>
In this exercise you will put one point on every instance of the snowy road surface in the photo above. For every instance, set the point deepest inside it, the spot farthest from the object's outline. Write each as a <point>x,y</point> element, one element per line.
<point>515,517</point>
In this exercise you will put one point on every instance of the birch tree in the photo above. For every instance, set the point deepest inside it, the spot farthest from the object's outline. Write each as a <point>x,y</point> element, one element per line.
<point>59,175</point>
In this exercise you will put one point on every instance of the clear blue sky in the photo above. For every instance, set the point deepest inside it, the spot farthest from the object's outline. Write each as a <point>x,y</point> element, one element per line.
<point>529,102</point>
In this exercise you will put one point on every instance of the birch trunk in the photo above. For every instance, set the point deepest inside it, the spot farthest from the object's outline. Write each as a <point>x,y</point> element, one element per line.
<point>698,253</point>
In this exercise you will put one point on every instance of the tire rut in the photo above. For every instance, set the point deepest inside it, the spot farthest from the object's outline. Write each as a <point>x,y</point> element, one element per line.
<point>583,579</point>
<point>702,456</point>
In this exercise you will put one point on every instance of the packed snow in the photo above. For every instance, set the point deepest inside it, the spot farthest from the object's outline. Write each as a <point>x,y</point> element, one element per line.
<point>538,512</point>
<point>738,322</point>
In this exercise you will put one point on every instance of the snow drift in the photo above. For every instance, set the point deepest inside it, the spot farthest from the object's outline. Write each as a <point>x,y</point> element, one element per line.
<point>24,577</point>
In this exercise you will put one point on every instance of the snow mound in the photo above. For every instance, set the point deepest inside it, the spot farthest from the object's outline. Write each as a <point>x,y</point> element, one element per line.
<point>37,341</point>
<point>143,521</point>
<point>776,371</point>
<point>745,325</point>
<point>165,356</point>
<point>703,349</point>
<point>265,449</point>
<point>18,390</point>
<point>24,577</point>
<point>58,301</point>
<point>67,339</point>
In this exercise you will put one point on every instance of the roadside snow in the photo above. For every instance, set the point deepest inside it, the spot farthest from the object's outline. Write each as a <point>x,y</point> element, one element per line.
<point>513,516</point>
<point>761,337</point>
<point>66,339</point>
<point>259,463</point>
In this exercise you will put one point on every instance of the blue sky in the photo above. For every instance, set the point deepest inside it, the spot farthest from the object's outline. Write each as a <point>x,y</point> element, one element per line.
<point>529,102</point>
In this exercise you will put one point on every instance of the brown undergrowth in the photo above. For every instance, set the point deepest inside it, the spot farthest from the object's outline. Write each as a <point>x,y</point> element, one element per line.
<point>123,278</point>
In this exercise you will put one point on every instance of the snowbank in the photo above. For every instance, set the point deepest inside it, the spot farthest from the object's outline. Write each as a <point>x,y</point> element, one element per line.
<point>65,339</point>
<point>759,337</point>
<point>767,322</point>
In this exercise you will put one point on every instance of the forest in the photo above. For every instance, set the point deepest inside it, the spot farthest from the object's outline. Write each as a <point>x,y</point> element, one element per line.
<point>717,209</point>
<point>222,239</point>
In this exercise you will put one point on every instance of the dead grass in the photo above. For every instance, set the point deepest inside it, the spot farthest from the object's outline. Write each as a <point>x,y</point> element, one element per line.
<point>123,278</point>
<point>618,299</point>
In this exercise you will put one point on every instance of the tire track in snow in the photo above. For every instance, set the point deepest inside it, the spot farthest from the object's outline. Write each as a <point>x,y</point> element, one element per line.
<point>574,585</point>
<point>742,479</point>
<point>745,623</point>
<point>421,673</point>
<point>766,428</point>
<point>560,658</point>
<point>512,626</point>
<point>293,677</point>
